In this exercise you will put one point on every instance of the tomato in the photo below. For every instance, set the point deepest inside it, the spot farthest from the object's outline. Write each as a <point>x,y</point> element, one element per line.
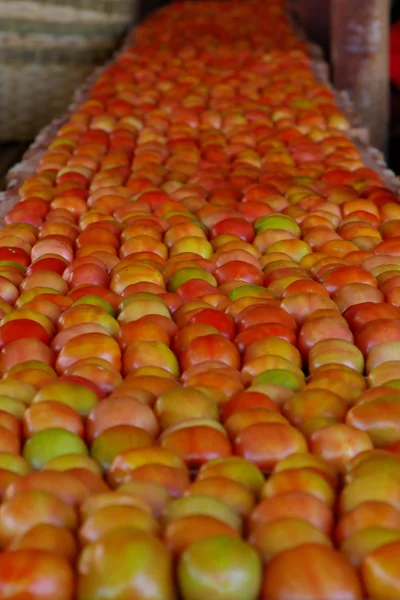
<point>310,571</point>
<point>25,570</point>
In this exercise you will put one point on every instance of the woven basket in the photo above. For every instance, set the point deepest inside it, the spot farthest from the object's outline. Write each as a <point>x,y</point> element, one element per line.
<point>47,49</point>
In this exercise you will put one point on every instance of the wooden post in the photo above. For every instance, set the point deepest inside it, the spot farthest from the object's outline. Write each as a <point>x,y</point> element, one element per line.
<point>360,60</point>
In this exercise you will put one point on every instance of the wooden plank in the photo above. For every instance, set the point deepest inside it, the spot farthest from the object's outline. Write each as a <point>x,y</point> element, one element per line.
<point>360,59</point>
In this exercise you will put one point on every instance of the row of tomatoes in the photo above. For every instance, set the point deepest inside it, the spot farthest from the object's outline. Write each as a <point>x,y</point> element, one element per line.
<point>200,333</point>
<point>229,532</point>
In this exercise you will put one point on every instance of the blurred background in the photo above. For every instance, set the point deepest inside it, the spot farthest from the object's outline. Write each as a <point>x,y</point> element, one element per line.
<point>44,60</point>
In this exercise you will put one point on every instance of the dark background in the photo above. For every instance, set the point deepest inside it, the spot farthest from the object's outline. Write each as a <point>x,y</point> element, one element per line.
<point>394,140</point>
<point>147,6</point>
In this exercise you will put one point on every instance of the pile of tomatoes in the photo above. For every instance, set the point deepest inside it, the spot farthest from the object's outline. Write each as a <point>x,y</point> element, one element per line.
<point>200,333</point>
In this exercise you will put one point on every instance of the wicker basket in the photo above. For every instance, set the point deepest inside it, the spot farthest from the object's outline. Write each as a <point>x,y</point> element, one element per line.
<point>47,49</point>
